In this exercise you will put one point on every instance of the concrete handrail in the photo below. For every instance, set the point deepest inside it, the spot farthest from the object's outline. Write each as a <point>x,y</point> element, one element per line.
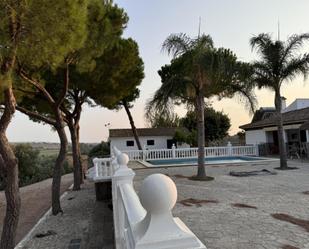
<point>146,221</point>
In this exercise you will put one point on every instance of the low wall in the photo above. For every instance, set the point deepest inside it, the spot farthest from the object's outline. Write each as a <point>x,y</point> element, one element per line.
<point>144,220</point>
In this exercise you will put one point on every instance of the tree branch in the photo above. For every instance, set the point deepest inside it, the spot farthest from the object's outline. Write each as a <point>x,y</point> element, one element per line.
<point>36,115</point>
<point>38,86</point>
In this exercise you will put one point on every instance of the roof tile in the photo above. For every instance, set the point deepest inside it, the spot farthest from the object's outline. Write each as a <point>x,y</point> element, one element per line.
<point>292,117</point>
<point>145,132</point>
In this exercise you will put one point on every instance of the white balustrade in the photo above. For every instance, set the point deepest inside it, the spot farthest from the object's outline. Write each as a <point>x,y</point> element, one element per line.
<point>102,170</point>
<point>159,154</point>
<point>244,150</point>
<point>146,221</point>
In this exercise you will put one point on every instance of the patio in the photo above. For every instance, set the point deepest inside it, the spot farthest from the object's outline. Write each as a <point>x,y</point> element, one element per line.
<point>227,213</point>
<point>236,213</point>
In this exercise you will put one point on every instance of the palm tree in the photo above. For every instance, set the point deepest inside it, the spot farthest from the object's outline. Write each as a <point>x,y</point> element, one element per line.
<point>280,62</point>
<point>198,71</point>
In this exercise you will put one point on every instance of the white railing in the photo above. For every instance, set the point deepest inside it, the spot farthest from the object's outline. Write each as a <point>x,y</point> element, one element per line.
<point>216,151</point>
<point>135,154</point>
<point>103,168</point>
<point>184,153</point>
<point>158,154</point>
<point>244,151</point>
<point>145,221</point>
<point>173,153</point>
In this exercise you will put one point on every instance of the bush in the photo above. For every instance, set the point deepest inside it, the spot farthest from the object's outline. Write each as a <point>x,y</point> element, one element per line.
<point>34,167</point>
<point>85,148</point>
<point>28,159</point>
<point>45,168</point>
<point>100,150</point>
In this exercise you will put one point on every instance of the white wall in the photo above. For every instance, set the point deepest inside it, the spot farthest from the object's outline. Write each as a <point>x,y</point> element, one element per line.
<point>255,137</point>
<point>160,142</point>
<point>263,136</point>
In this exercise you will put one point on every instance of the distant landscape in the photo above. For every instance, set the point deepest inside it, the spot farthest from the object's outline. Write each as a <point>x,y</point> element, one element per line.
<point>51,149</point>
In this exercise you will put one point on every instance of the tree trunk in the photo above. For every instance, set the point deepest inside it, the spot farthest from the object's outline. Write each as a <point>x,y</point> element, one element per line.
<point>9,171</point>
<point>282,146</point>
<point>200,105</point>
<point>75,153</point>
<point>56,185</point>
<point>126,107</point>
<point>79,155</point>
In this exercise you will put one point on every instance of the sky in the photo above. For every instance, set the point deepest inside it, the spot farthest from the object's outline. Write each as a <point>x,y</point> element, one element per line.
<point>231,23</point>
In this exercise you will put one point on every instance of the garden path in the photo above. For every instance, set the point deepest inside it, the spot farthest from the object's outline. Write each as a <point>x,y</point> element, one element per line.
<point>35,201</point>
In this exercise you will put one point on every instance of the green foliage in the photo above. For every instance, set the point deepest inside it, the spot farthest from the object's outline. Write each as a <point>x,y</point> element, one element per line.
<point>47,30</point>
<point>100,150</point>
<point>217,125</point>
<point>185,137</point>
<point>105,23</point>
<point>156,119</point>
<point>85,148</point>
<point>279,61</point>
<point>28,158</point>
<point>199,67</point>
<point>40,35</point>
<point>117,75</point>
<point>33,166</point>
<point>54,29</point>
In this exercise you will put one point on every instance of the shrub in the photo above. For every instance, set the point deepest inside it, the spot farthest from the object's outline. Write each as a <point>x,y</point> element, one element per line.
<point>28,159</point>
<point>33,166</point>
<point>100,150</point>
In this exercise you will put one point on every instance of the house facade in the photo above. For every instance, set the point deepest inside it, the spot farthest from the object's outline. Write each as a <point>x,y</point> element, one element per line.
<point>150,138</point>
<point>263,128</point>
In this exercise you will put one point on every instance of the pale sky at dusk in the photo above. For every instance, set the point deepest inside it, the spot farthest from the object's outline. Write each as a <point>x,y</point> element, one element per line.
<point>231,23</point>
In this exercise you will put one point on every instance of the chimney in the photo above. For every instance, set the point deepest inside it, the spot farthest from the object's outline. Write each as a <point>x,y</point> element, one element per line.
<point>283,104</point>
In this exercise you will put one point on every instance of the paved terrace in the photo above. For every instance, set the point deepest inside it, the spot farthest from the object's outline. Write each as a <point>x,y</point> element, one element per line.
<point>228,213</point>
<point>221,225</point>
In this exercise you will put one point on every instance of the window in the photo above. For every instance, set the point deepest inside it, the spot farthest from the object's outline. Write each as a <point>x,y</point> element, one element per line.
<point>170,142</point>
<point>130,143</point>
<point>150,142</point>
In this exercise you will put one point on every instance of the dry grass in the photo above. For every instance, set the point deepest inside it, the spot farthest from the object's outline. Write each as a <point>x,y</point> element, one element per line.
<point>195,202</point>
<point>241,205</point>
<point>288,218</point>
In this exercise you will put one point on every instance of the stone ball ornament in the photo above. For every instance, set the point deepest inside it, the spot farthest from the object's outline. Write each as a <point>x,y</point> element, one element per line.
<point>122,159</point>
<point>158,194</point>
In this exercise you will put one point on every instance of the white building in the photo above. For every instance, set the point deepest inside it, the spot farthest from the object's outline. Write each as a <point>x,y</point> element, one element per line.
<point>150,138</point>
<point>263,128</point>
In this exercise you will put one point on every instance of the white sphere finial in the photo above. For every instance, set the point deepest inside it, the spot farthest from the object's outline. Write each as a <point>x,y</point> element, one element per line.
<point>122,159</point>
<point>158,193</point>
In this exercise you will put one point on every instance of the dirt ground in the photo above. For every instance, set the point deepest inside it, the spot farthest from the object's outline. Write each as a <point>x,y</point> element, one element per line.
<point>35,201</point>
